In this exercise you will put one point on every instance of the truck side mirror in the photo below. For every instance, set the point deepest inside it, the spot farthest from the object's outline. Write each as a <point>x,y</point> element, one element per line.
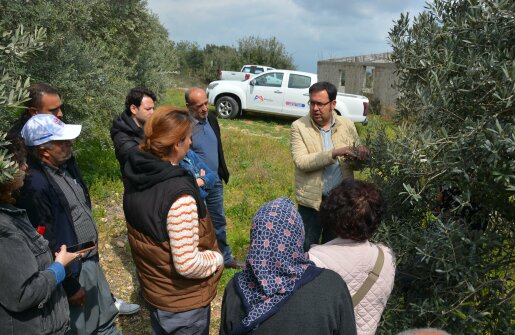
<point>252,82</point>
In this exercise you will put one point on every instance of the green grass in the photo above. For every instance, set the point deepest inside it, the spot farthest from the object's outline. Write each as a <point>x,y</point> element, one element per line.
<point>261,170</point>
<point>173,97</point>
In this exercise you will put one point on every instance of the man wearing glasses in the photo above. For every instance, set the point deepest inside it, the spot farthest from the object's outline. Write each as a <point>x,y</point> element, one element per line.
<point>43,99</point>
<point>322,145</point>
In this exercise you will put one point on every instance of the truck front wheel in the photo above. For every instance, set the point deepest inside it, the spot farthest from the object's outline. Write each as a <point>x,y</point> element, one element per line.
<point>227,107</point>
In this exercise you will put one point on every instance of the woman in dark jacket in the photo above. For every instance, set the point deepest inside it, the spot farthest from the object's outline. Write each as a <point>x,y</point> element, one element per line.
<point>32,300</point>
<point>281,291</point>
<point>172,240</point>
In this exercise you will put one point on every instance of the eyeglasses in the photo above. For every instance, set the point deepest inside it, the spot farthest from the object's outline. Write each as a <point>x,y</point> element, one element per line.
<point>318,104</point>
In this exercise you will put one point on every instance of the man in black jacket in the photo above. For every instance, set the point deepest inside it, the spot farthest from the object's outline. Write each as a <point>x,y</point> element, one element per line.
<point>127,128</point>
<point>207,144</point>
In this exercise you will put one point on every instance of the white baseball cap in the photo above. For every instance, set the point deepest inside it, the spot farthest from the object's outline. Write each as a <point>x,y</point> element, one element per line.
<point>43,128</point>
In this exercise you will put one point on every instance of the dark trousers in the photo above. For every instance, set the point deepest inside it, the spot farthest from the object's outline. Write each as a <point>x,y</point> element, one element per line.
<point>98,314</point>
<point>194,322</point>
<point>314,233</point>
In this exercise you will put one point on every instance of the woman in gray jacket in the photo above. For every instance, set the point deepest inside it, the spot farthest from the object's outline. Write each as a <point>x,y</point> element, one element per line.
<point>32,300</point>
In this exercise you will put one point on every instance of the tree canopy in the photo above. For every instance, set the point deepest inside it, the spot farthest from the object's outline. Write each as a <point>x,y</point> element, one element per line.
<point>16,46</point>
<point>449,172</point>
<point>205,63</point>
<point>95,51</point>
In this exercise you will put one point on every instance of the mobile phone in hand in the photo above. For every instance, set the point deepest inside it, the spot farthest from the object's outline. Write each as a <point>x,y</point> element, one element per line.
<point>81,247</point>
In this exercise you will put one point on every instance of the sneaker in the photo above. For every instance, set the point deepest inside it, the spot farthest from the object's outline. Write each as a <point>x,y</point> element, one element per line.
<point>125,308</point>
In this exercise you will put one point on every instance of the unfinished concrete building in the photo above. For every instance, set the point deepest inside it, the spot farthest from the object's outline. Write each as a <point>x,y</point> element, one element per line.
<point>370,75</point>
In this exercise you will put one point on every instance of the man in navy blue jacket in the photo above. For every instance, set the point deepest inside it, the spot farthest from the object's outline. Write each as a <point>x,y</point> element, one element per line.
<point>56,198</point>
<point>45,99</point>
<point>207,144</point>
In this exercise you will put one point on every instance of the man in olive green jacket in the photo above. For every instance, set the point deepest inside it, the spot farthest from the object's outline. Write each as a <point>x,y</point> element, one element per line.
<point>323,145</point>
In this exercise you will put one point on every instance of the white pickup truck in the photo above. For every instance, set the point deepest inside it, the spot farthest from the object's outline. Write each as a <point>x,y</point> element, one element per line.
<point>280,92</point>
<point>246,72</point>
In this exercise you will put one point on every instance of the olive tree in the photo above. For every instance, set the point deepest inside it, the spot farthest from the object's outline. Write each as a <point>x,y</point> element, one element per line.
<point>264,51</point>
<point>96,50</point>
<point>16,46</point>
<point>217,58</point>
<point>448,172</point>
<point>204,63</point>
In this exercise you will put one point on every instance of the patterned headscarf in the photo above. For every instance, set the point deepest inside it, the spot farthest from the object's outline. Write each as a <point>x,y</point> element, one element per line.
<point>276,264</point>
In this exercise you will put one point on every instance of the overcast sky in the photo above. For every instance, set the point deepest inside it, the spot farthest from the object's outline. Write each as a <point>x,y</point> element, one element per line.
<point>311,30</point>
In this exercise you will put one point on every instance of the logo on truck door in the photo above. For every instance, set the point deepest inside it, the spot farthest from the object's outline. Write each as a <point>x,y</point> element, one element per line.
<point>261,98</point>
<point>295,104</point>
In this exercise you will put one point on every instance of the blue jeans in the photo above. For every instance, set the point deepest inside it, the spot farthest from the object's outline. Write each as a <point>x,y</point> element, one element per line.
<point>215,207</point>
<point>313,229</point>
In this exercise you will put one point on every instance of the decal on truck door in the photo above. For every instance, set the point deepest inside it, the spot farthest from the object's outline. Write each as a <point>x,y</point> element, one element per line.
<point>261,98</point>
<point>295,104</point>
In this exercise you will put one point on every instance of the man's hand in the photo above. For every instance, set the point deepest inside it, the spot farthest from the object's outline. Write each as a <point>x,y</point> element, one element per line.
<point>79,298</point>
<point>200,182</point>
<point>64,257</point>
<point>344,151</point>
<point>362,152</point>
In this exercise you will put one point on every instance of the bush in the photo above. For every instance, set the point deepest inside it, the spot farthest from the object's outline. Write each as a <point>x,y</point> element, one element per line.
<point>374,107</point>
<point>94,53</point>
<point>15,47</point>
<point>449,172</point>
<point>203,64</point>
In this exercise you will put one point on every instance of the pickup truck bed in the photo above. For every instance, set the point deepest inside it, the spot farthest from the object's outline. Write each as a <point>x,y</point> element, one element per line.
<point>246,72</point>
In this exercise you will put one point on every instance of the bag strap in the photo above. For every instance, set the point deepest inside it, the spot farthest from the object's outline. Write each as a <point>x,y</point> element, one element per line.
<point>371,279</point>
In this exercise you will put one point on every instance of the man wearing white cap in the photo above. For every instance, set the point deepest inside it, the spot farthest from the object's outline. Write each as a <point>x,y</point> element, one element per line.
<point>58,202</point>
<point>45,99</point>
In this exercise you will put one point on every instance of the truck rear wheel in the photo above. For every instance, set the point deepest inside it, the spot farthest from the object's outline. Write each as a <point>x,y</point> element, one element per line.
<point>227,107</point>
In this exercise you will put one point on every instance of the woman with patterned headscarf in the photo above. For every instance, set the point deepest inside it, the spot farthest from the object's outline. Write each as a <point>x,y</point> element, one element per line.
<point>280,290</point>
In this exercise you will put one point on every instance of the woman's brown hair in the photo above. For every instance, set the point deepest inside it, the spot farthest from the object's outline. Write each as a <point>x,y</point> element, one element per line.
<point>353,210</point>
<point>167,126</point>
